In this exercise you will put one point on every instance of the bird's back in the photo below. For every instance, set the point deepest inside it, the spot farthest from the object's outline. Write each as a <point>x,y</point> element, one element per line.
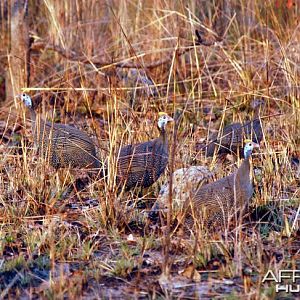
<point>228,141</point>
<point>230,138</point>
<point>212,202</point>
<point>253,130</point>
<point>65,146</point>
<point>217,202</point>
<point>141,164</point>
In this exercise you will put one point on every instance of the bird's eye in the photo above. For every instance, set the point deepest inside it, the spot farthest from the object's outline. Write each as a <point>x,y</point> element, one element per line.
<point>24,95</point>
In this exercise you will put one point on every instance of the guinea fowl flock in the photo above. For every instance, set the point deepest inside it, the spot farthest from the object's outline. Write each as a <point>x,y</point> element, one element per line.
<point>141,165</point>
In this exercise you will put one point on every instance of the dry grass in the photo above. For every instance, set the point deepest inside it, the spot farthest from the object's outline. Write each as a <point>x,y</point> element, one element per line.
<point>55,243</point>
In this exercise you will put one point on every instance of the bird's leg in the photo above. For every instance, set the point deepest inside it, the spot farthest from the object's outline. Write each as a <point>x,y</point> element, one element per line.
<point>140,193</point>
<point>140,204</point>
<point>65,193</point>
<point>135,199</point>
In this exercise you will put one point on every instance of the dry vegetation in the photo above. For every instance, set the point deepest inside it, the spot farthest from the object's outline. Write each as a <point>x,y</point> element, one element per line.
<point>63,235</point>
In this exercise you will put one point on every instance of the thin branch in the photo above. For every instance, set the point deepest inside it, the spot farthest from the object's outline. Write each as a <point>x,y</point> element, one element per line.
<point>73,56</point>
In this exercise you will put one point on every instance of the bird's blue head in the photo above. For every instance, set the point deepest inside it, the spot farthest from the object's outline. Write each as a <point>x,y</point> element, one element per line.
<point>163,120</point>
<point>25,99</point>
<point>248,148</point>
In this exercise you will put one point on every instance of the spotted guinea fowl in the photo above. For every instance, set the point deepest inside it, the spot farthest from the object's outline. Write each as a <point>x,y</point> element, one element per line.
<point>230,139</point>
<point>216,202</point>
<point>140,165</point>
<point>62,145</point>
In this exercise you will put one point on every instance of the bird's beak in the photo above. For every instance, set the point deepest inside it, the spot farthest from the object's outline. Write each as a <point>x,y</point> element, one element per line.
<point>170,119</point>
<point>255,145</point>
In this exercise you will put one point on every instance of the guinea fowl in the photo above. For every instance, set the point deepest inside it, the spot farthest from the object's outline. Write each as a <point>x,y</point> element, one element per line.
<point>62,145</point>
<point>229,140</point>
<point>217,202</point>
<point>140,165</point>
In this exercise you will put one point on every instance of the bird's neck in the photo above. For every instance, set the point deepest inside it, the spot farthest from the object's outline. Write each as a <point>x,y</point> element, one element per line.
<point>32,115</point>
<point>256,112</point>
<point>243,172</point>
<point>34,124</point>
<point>163,135</point>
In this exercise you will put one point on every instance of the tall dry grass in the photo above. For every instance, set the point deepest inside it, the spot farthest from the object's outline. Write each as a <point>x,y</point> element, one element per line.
<point>48,222</point>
